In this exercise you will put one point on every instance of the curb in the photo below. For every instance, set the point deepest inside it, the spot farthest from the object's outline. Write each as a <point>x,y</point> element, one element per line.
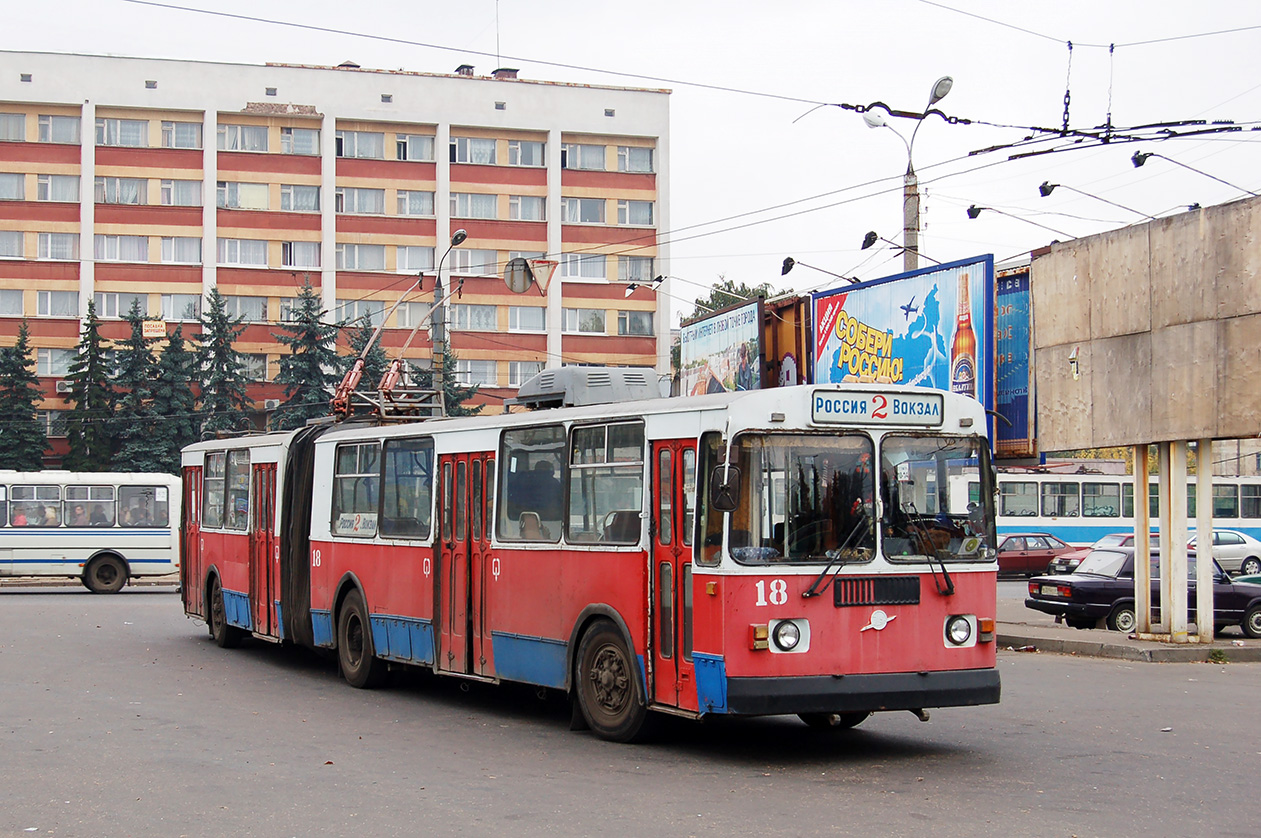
<point>1156,653</point>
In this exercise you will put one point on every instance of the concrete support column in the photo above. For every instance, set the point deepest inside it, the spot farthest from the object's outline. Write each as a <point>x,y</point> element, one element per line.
<point>1204,540</point>
<point>1164,484</point>
<point>1173,546</point>
<point>1142,542</point>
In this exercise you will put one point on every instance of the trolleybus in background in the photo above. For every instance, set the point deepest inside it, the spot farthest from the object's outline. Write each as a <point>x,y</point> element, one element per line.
<point>104,528</point>
<point>803,550</point>
<point>1082,508</point>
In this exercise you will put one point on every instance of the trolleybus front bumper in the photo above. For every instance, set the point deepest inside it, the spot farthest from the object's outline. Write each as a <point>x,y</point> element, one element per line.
<point>857,693</point>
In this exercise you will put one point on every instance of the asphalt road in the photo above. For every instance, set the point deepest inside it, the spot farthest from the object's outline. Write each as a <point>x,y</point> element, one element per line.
<point>121,718</point>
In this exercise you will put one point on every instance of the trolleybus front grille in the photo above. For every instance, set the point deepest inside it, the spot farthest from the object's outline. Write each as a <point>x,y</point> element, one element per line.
<point>876,590</point>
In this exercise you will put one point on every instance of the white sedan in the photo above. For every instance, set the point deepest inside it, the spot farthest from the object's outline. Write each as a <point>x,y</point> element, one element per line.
<point>1236,552</point>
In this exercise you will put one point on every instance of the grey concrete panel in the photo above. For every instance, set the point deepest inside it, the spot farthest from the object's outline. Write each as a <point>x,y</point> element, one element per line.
<point>1238,258</point>
<point>1120,292</point>
<point>1064,416</point>
<point>1183,255</point>
<point>1060,284</point>
<point>1121,408</point>
<point>1239,377</point>
<point>1184,375</point>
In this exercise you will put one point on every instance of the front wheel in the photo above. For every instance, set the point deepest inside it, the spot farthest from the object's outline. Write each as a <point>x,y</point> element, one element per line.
<point>606,685</point>
<point>1250,566</point>
<point>105,575</point>
<point>360,666</point>
<point>1123,618</point>
<point>1252,621</point>
<point>834,721</point>
<point>224,635</point>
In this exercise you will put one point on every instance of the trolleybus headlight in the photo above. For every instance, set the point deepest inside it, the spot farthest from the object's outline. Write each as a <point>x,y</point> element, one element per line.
<point>958,630</point>
<point>787,635</point>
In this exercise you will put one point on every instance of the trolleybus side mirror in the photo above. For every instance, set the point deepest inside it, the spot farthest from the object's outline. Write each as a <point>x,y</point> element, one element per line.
<point>724,488</point>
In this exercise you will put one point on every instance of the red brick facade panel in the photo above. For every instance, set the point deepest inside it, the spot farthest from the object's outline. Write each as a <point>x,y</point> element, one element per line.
<point>157,216</point>
<point>573,293</point>
<point>395,283</point>
<point>391,170</point>
<point>609,180</point>
<point>271,221</point>
<point>385,225</point>
<point>13,269</point>
<point>501,342</point>
<point>609,345</point>
<point>187,274</point>
<point>505,176</point>
<point>623,237</point>
<point>280,164</point>
<point>38,211</point>
<point>149,158</point>
<point>532,235</point>
<point>43,328</point>
<point>60,153</point>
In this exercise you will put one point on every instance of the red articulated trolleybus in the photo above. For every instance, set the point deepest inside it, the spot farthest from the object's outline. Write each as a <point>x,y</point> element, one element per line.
<point>825,551</point>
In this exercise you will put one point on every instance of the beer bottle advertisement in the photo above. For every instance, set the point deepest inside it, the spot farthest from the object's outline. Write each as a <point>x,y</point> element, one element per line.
<point>963,349</point>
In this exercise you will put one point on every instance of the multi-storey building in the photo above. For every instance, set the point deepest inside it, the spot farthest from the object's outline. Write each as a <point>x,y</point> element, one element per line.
<point>157,180</point>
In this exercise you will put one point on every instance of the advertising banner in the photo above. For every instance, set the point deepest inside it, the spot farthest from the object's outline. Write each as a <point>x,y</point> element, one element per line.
<point>1012,371</point>
<point>933,328</point>
<point>723,351</point>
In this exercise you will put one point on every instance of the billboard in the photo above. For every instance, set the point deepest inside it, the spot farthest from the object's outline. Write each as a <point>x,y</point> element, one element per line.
<point>933,328</point>
<point>1012,368</point>
<point>722,351</point>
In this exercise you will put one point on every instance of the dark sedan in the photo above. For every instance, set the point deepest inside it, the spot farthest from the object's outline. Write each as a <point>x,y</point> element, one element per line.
<point>1102,590</point>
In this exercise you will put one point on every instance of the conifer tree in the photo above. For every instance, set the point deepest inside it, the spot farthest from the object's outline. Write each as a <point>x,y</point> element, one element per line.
<point>88,423</point>
<point>22,438</point>
<point>136,423</point>
<point>174,402</point>
<point>223,399</point>
<point>454,394</point>
<point>309,371</point>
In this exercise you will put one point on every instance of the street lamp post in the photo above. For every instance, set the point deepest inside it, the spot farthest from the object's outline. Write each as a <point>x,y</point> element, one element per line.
<point>910,183</point>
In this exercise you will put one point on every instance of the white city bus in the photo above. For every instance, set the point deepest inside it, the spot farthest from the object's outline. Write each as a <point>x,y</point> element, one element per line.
<point>101,527</point>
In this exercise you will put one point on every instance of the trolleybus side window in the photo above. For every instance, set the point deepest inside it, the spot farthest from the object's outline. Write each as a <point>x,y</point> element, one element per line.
<point>689,495</point>
<point>1018,499</point>
<point>90,506</point>
<point>356,476</point>
<point>477,500</point>
<point>461,493</point>
<point>213,491</point>
<point>1060,500</point>
<point>687,612</point>
<point>708,547</point>
<point>490,497</point>
<point>407,493</point>
<point>1250,501</point>
<point>143,506</point>
<point>532,502</point>
<point>1100,500</point>
<point>35,506</point>
<point>606,483</point>
<point>237,479</point>
<point>665,496</point>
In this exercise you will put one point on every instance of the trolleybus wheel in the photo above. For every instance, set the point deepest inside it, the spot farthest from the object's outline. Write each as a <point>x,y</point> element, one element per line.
<point>359,664</point>
<point>834,721</point>
<point>105,575</point>
<point>225,636</point>
<point>606,685</point>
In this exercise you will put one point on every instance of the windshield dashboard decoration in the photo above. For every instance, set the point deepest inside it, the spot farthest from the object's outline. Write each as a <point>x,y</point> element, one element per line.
<point>854,407</point>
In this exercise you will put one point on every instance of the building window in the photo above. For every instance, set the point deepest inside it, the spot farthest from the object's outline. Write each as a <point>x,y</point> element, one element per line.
<point>359,201</point>
<point>12,245</point>
<point>527,208</point>
<point>579,156</point>
<point>527,319</point>
<point>58,246</point>
<point>122,190</point>
<point>11,302</point>
<point>289,307</point>
<point>13,127</point>
<point>113,306</point>
<point>57,303</point>
<point>296,198</point>
<point>368,144</point>
<point>474,205</point>
<point>415,203</point>
<point>181,307</point>
<point>243,137</point>
<point>475,262</point>
<point>519,372</point>
<point>242,252</point>
<point>474,318</point>
<point>472,150</point>
<point>120,248</point>
<point>585,265</point>
<point>476,373</point>
<point>181,135</point>
<point>182,250</point>
<point>300,141</point>
<point>252,196</point>
<point>634,159</point>
<point>52,421</point>
<point>63,188</point>
<point>58,129</point>
<point>12,186</point>
<point>582,210</point>
<point>526,153</point>
<point>54,363</point>
<point>255,366</point>
<point>360,257</point>
<point>248,309</point>
<point>358,313</point>
<point>634,323</point>
<point>410,315</point>
<point>414,147</point>
<point>413,258</point>
<point>181,193</point>
<point>634,268</point>
<point>131,133</point>
<point>300,254</point>
<point>583,320</point>
<point>635,213</point>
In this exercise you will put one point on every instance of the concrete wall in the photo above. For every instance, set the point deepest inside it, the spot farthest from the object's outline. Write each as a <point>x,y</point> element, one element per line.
<point>1165,318</point>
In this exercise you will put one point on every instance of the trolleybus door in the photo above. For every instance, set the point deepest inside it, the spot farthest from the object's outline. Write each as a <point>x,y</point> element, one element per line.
<point>673,504</point>
<point>264,561</point>
<point>191,571</point>
<point>462,563</point>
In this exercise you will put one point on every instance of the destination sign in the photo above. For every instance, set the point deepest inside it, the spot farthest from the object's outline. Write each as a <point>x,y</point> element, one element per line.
<point>876,408</point>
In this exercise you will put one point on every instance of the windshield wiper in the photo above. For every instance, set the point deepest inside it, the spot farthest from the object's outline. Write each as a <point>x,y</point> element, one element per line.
<point>834,556</point>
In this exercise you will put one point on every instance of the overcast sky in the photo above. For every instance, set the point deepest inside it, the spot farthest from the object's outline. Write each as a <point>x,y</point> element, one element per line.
<point>739,154</point>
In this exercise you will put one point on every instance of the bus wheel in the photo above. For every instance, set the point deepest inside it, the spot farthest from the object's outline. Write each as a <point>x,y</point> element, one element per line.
<point>105,575</point>
<point>359,664</point>
<point>834,721</point>
<point>605,683</point>
<point>224,635</point>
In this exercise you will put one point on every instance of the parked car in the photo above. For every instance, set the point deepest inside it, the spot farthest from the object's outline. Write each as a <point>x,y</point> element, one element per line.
<point>1028,552</point>
<point>1068,562</point>
<point>1254,579</point>
<point>1102,590</point>
<point>1236,551</point>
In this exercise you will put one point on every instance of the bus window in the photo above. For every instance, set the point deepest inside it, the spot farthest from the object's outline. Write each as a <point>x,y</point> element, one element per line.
<point>355,476</point>
<point>89,506</point>
<point>532,502</point>
<point>606,483</point>
<point>1018,499</point>
<point>143,506</point>
<point>665,494</point>
<point>1060,500</point>
<point>36,506</point>
<point>4,505</point>
<point>213,491</point>
<point>407,494</point>
<point>950,528</point>
<point>237,490</point>
<point>1100,500</point>
<point>689,495</point>
<point>1250,501</point>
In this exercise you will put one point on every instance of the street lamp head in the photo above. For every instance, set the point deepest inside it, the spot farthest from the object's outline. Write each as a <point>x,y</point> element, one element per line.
<point>788,265</point>
<point>874,119</point>
<point>870,239</point>
<point>459,237</point>
<point>974,211</point>
<point>1047,188</point>
<point>1140,158</point>
<point>940,88</point>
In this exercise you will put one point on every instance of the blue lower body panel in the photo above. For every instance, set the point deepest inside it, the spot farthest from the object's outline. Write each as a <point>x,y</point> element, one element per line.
<point>322,628</point>
<point>711,682</point>
<point>236,609</point>
<point>405,639</point>
<point>530,660</point>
